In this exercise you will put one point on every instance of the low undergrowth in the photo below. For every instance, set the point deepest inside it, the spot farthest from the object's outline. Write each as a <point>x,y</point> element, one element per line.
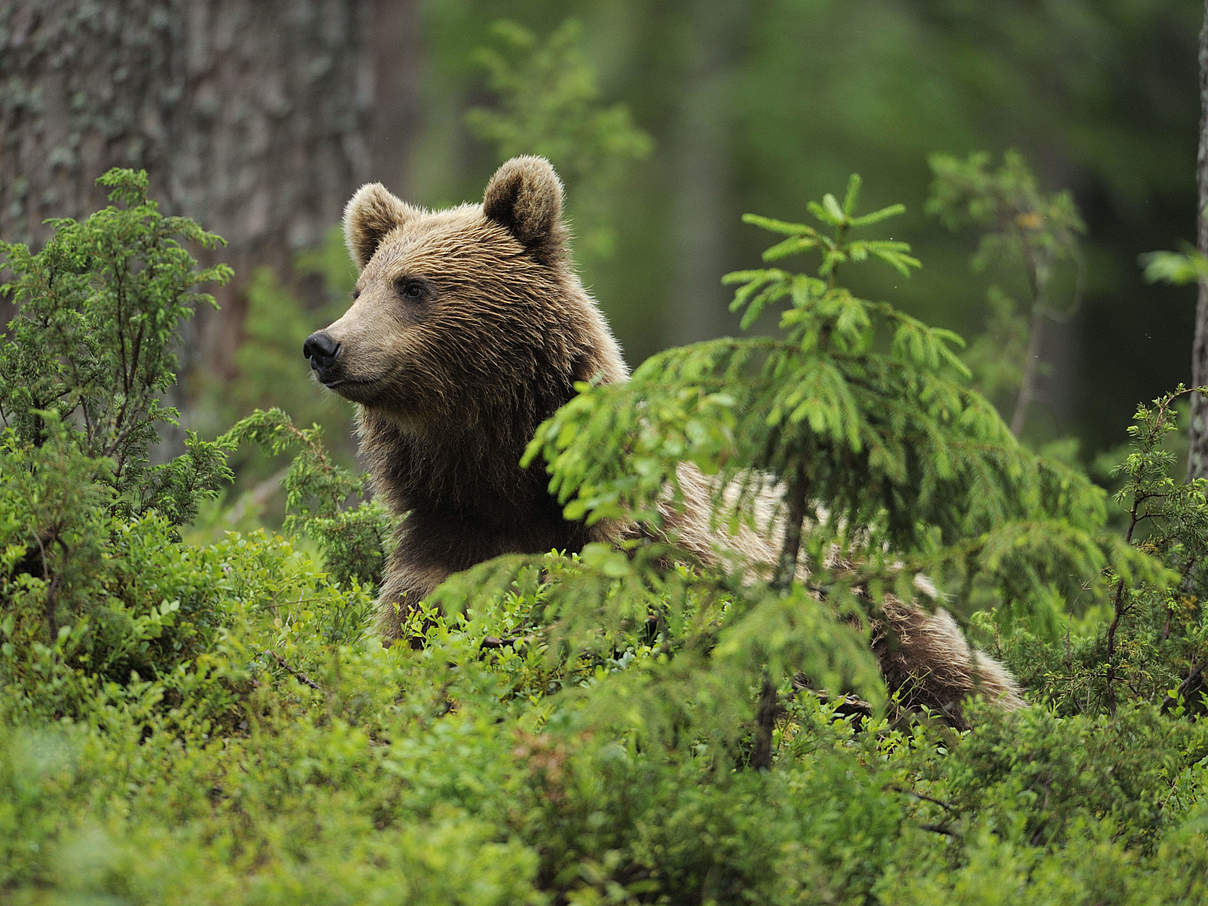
<point>204,718</point>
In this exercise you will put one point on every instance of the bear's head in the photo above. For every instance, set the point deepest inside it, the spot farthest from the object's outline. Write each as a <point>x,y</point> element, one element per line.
<point>466,315</point>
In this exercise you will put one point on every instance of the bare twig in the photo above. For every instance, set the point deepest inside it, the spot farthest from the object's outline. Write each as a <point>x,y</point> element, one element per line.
<point>923,797</point>
<point>492,643</point>
<point>295,673</point>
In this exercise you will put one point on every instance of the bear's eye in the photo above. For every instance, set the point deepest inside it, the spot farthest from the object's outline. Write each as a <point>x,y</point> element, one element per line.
<point>411,289</point>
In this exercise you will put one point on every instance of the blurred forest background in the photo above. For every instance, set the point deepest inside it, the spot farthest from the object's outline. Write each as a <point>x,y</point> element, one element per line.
<point>668,121</point>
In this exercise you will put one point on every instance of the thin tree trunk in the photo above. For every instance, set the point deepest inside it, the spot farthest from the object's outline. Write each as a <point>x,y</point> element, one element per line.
<point>765,726</point>
<point>1197,459</point>
<point>397,46</point>
<point>700,168</point>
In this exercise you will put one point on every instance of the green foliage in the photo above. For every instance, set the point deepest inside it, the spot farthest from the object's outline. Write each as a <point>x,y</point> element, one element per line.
<point>1020,221</point>
<point>1186,266</point>
<point>1144,641</point>
<point>856,412</point>
<point>1150,640</point>
<point>98,308</point>
<point>747,111</point>
<point>549,104</point>
<point>95,590</point>
<point>93,601</point>
<point>998,355</point>
<point>1030,233</point>
<point>274,328</point>
<point>1123,775</point>
<point>352,540</point>
<point>666,658</point>
<point>208,721</point>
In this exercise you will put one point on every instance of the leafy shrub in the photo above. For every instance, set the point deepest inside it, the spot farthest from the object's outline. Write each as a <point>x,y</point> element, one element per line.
<point>274,328</point>
<point>1038,779</point>
<point>1036,236</point>
<point>860,418</point>
<point>353,540</point>
<point>98,309</point>
<point>1142,641</point>
<point>206,719</point>
<point>95,590</point>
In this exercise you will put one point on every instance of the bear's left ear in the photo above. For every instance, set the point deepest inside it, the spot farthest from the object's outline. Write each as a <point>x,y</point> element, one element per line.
<point>525,195</point>
<point>370,214</point>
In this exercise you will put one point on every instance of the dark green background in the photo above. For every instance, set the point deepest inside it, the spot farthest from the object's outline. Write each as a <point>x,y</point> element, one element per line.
<point>760,107</point>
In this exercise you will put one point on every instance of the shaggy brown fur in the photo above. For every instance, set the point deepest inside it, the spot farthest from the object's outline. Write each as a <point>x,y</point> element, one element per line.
<point>468,328</point>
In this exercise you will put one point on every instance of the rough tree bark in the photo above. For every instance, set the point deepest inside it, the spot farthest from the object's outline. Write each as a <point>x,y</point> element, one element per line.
<point>254,117</point>
<point>1197,459</point>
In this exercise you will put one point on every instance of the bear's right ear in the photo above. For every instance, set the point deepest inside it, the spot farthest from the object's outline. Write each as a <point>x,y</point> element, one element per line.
<point>525,195</point>
<point>370,214</point>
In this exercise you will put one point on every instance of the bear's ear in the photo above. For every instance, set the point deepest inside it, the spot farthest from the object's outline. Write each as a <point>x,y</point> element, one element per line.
<point>370,214</point>
<point>525,195</point>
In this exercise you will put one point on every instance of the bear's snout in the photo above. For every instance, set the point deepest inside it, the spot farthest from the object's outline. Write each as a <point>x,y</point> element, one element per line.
<point>321,349</point>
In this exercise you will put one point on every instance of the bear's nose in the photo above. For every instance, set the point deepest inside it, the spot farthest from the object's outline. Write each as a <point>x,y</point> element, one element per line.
<point>321,349</point>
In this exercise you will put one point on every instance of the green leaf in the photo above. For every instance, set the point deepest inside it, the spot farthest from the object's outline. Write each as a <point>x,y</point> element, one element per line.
<point>779,226</point>
<point>833,209</point>
<point>892,210</point>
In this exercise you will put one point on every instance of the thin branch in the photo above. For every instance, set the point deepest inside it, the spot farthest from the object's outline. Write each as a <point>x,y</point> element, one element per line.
<point>1192,683</point>
<point>786,569</point>
<point>1031,363</point>
<point>940,829</point>
<point>295,673</point>
<point>1120,610</point>
<point>922,796</point>
<point>765,723</point>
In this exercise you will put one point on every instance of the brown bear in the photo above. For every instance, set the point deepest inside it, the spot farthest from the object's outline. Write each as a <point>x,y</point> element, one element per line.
<point>468,328</point>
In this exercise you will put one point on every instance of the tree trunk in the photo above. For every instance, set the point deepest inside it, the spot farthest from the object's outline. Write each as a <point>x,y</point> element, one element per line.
<point>700,169</point>
<point>397,51</point>
<point>1197,459</point>
<point>252,116</point>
